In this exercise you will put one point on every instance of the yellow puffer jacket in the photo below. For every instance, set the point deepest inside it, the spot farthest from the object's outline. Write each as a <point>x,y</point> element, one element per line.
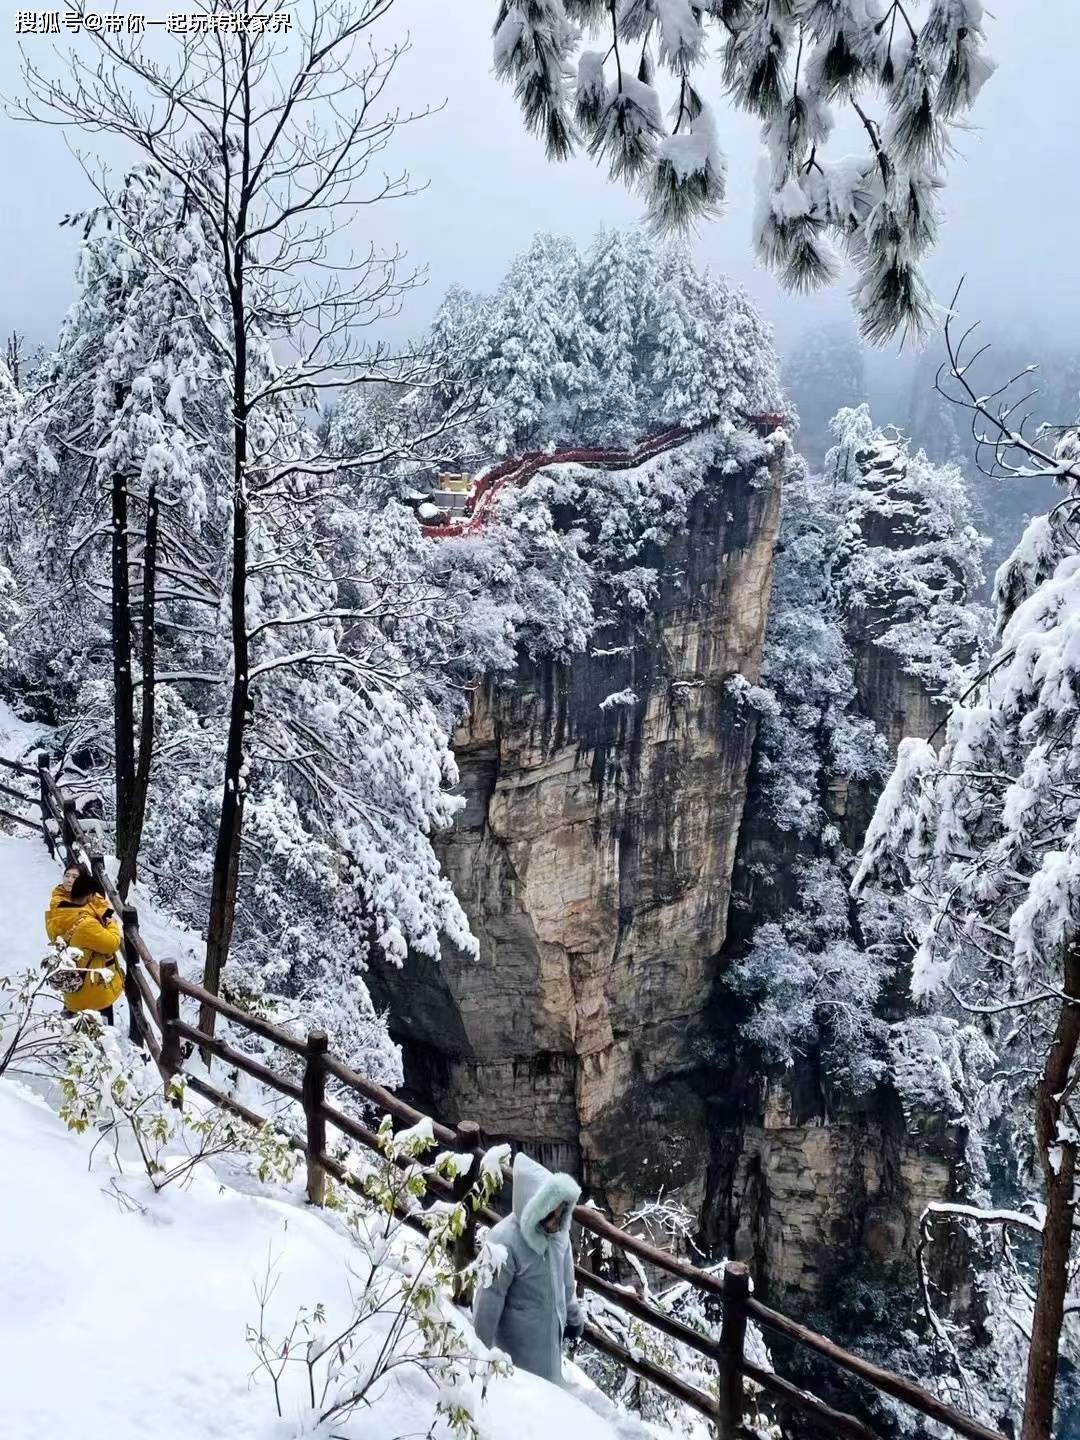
<point>80,924</point>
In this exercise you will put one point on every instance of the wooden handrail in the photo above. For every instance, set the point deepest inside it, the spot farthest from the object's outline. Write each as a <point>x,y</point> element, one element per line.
<point>149,997</point>
<point>163,1011</point>
<point>255,1068</point>
<point>146,958</point>
<point>19,819</point>
<point>255,1023</point>
<point>387,1101</point>
<point>832,1421</point>
<point>894,1385</point>
<point>18,767</point>
<point>670,1384</point>
<point>591,1220</point>
<point>623,1298</point>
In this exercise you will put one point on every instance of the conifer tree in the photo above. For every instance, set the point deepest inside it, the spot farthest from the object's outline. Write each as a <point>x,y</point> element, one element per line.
<point>583,72</point>
<point>612,307</point>
<point>983,838</point>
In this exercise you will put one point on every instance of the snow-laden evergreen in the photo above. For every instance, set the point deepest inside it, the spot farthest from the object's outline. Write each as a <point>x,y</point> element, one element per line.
<point>872,551</point>
<point>981,837</point>
<point>349,771</point>
<point>909,557</point>
<point>584,74</point>
<point>535,349</point>
<point>602,349</point>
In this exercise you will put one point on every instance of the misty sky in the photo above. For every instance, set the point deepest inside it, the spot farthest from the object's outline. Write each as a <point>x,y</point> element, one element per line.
<point>1009,203</point>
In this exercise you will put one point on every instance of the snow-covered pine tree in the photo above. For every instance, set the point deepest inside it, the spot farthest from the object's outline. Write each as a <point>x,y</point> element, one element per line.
<point>708,353</point>
<point>983,839</point>
<point>907,73</point>
<point>687,381</point>
<point>347,769</point>
<point>869,552</point>
<point>535,353</point>
<point>908,557</point>
<point>630,340</point>
<point>10,402</point>
<point>616,294</point>
<point>269,263</point>
<point>124,407</point>
<point>458,337</point>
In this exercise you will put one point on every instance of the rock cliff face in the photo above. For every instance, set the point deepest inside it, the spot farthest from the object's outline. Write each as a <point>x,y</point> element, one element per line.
<point>804,1187</point>
<point>813,1195</point>
<point>594,860</point>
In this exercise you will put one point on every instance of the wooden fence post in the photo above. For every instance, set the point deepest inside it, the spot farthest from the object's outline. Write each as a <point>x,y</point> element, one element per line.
<point>731,1407</point>
<point>136,1018</point>
<point>171,1059</point>
<point>97,867</point>
<point>46,808</point>
<point>67,831</point>
<point>468,1142</point>
<point>314,1098</point>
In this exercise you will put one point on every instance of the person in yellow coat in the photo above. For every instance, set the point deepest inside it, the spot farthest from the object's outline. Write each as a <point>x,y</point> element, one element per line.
<point>81,916</point>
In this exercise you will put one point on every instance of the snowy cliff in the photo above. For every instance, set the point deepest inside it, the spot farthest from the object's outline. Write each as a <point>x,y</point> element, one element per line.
<point>604,793</point>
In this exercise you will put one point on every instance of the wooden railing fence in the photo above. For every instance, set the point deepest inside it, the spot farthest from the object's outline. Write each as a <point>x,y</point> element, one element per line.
<point>154,993</point>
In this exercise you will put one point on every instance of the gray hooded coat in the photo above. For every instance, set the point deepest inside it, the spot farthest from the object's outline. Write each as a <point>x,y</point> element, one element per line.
<point>531,1298</point>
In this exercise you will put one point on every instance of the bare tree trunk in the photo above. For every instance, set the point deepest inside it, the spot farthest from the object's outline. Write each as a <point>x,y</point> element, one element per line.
<point>1057,1236</point>
<point>129,850</point>
<point>230,826</point>
<point>123,689</point>
<point>13,356</point>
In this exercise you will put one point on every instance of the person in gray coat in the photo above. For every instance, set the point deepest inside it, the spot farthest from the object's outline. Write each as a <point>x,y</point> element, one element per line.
<point>530,1305</point>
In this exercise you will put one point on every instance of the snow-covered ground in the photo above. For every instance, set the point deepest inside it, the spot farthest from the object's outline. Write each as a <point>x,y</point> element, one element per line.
<point>124,1316</point>
<point>121,1325</point>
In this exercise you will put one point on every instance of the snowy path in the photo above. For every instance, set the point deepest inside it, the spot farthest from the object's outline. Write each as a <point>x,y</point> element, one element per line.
<point>128,1323</point>
<point>125,1326</point>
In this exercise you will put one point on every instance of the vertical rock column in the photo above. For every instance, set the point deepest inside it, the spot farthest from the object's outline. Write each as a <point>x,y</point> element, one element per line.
<point>594,860</point>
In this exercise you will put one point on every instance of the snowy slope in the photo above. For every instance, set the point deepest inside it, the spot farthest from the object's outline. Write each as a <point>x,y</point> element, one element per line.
<point>126,1321</point>
<point>127,1326</point>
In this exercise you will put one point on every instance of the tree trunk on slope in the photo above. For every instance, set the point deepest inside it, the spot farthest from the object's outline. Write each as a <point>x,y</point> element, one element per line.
<point>123,689</point>
<point>1057,1236</point>
<point>129,849</point>
<point>227,851</point>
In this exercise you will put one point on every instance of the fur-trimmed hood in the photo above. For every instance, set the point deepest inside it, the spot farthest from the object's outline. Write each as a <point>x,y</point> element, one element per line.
<point>537,1192</point>
<point>531,1296</point>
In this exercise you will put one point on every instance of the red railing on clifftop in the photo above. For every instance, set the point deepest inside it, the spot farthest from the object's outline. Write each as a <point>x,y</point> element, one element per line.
<point>519,469</point>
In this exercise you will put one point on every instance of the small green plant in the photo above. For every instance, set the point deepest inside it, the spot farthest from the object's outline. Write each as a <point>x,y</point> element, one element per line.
<point>110,1086</point>
<point>401,1317</point>
<point>34,1035</point>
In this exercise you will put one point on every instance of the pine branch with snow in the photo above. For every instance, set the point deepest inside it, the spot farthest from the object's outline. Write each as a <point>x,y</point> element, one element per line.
<point>919,67</point>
